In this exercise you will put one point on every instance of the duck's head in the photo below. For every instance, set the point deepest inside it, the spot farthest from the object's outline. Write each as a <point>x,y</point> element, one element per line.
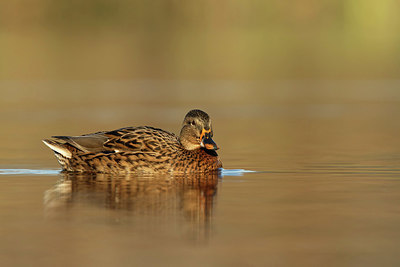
<point>197,131</point>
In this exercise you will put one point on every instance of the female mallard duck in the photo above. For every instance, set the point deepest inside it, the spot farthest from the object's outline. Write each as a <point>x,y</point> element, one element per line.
<point>141,149</point>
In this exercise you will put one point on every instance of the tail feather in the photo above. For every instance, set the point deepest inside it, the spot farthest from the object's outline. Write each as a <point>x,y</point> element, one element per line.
<point>58,148</point>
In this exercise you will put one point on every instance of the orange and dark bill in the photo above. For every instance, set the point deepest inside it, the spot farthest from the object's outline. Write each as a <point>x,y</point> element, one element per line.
<point>206,140</point>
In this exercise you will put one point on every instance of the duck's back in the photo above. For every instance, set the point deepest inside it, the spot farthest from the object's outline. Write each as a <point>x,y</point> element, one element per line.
<point>143,139</point>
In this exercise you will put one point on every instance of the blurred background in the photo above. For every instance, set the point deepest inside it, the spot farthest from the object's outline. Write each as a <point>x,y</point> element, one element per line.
<point>304,92</point>
<point>172,39</point>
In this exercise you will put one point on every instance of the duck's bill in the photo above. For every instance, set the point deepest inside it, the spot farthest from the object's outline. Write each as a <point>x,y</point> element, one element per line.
<point>207,142</point>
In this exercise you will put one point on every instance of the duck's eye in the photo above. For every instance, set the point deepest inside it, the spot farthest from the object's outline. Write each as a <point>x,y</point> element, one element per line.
<point>192,123</point>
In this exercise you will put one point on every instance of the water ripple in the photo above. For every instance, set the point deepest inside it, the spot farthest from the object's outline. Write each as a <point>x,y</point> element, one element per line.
<point>234,172</point>
<point>224,172</point>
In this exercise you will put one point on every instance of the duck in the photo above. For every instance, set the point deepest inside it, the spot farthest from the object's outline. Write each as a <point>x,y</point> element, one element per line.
<point>142,149</point>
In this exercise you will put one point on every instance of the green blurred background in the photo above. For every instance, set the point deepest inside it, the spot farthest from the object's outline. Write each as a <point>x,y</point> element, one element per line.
<point>171,39</point>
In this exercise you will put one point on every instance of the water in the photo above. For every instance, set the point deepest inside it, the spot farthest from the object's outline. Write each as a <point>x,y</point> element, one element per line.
<point>311,176</point>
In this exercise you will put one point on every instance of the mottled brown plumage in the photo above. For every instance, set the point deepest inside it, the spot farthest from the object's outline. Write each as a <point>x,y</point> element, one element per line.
<point>141,149</point>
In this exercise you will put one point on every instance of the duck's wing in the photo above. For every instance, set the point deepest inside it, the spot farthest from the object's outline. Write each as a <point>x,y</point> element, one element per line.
<point>86,143</point>
<point>69,145</point>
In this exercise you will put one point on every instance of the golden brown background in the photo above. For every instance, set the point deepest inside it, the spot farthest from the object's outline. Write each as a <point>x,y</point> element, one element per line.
<point>305,93</point>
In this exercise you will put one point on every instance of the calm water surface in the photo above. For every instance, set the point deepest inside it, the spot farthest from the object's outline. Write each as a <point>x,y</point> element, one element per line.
<point>311,176</point>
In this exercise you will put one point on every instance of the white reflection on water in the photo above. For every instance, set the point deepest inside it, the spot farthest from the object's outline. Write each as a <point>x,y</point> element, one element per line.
<point>234,172</point>
<point>28,172</point>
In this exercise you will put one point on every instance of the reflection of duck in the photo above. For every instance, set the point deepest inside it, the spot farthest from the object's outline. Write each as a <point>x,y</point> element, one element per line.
<point>141,149</point>
<point>140,198</point>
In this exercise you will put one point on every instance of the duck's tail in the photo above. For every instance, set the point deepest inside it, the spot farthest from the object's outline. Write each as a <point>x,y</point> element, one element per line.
<point>58,148</point>
<point>61,151</point>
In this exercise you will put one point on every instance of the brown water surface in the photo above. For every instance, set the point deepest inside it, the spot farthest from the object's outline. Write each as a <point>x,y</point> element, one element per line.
<point>311,176</point>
